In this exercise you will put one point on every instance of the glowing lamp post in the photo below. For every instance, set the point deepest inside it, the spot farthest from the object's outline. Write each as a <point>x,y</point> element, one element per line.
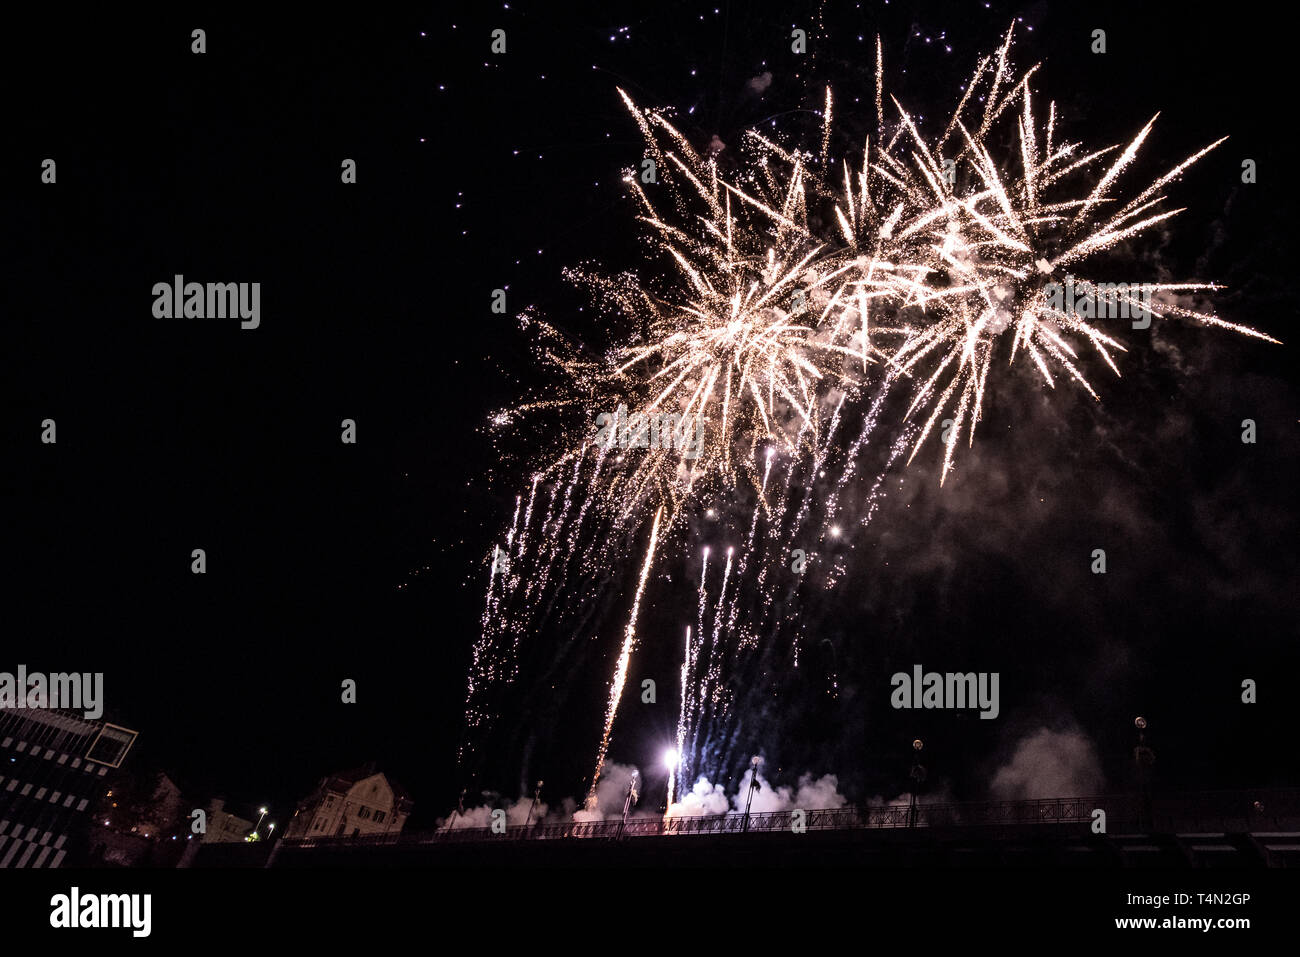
<point>262,812</point>
<point>628,802</point>
<point>536,794</point>
<point>918,778</point>
<point>753,786</point>
<point>1143,757</point>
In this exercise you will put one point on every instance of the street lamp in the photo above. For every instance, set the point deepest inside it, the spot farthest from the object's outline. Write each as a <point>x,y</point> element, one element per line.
<point>628,801</point>
<point>536,793</point>
<point>256,827</point>
<point>460,810</point>
<point>753,786</point>
<point>1143,757</point>
<point>917,775</point>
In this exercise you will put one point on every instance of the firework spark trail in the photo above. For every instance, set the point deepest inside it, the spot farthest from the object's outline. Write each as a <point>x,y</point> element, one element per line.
<point>687,707</point>
<point>933,268</point>
<point>552,537</point>
<point>708,696</point>
<point>869,422</point>
<point>528,515</point>
<point>779,512</point>
<point>759,503</point>
<point>718,613</point>
<point>690,703</point>
<point>625,656</point>
<point>711,691</point>
<point>775,550</point>
<point>481,657</point>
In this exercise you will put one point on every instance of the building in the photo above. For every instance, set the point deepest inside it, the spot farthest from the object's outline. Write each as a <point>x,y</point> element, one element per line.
<point>55,768</point>
<point>224,827</point>
<point>138,821</point>
<point>148,805</point>
<point>357,803</point>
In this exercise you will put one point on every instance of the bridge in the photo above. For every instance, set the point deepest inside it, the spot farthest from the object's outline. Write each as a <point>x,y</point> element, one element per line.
<point>1205,829</point>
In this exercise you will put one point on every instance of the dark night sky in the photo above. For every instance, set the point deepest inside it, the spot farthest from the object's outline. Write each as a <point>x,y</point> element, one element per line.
<point>329,562</point>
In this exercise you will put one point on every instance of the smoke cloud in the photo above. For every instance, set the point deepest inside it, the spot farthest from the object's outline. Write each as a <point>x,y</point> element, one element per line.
<point>611,791</point>
<point>810,794</point>
<point>1049,764</point>
<point>481,816</point>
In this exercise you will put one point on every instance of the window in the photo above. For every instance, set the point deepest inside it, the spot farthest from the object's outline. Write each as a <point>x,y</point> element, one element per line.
<point>364,813</point>
<point>111,745</point>
<point>379,817</point>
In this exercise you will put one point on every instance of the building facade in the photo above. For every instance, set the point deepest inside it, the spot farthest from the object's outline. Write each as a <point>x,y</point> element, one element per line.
<point>357,803</point>
<point>55,766</point>
<point>224,827</point>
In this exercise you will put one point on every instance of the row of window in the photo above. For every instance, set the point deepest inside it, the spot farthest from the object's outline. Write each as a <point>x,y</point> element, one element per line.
<point>364,813</point>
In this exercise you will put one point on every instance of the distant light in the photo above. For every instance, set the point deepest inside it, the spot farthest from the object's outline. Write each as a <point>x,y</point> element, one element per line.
<point>671,757</point>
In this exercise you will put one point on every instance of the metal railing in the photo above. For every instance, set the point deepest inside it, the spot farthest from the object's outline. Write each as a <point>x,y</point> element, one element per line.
<point>1221,811</point>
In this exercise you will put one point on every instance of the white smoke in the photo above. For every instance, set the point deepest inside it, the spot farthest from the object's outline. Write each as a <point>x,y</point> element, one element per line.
<point>481,816</point>
<point>1049,764</point>
<point>810,794</point>
<point>611,792</point>
<point>704,798</point>
<point>758,85</point>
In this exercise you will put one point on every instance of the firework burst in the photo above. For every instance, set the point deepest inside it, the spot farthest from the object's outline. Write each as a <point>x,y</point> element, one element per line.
<point>795,292</point>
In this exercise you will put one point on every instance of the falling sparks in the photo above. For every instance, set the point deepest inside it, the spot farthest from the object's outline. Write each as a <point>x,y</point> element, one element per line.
<point>789,297</point>
<point>624,658</point>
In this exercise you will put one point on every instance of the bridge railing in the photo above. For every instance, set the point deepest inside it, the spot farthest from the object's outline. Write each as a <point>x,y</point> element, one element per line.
<point>1227,811</point>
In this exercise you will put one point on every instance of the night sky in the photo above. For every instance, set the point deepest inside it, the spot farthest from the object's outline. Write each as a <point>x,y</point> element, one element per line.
<point>328,561</point>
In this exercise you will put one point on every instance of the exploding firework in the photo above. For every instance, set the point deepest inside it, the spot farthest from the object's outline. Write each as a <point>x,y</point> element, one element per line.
<point>790,295</point>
